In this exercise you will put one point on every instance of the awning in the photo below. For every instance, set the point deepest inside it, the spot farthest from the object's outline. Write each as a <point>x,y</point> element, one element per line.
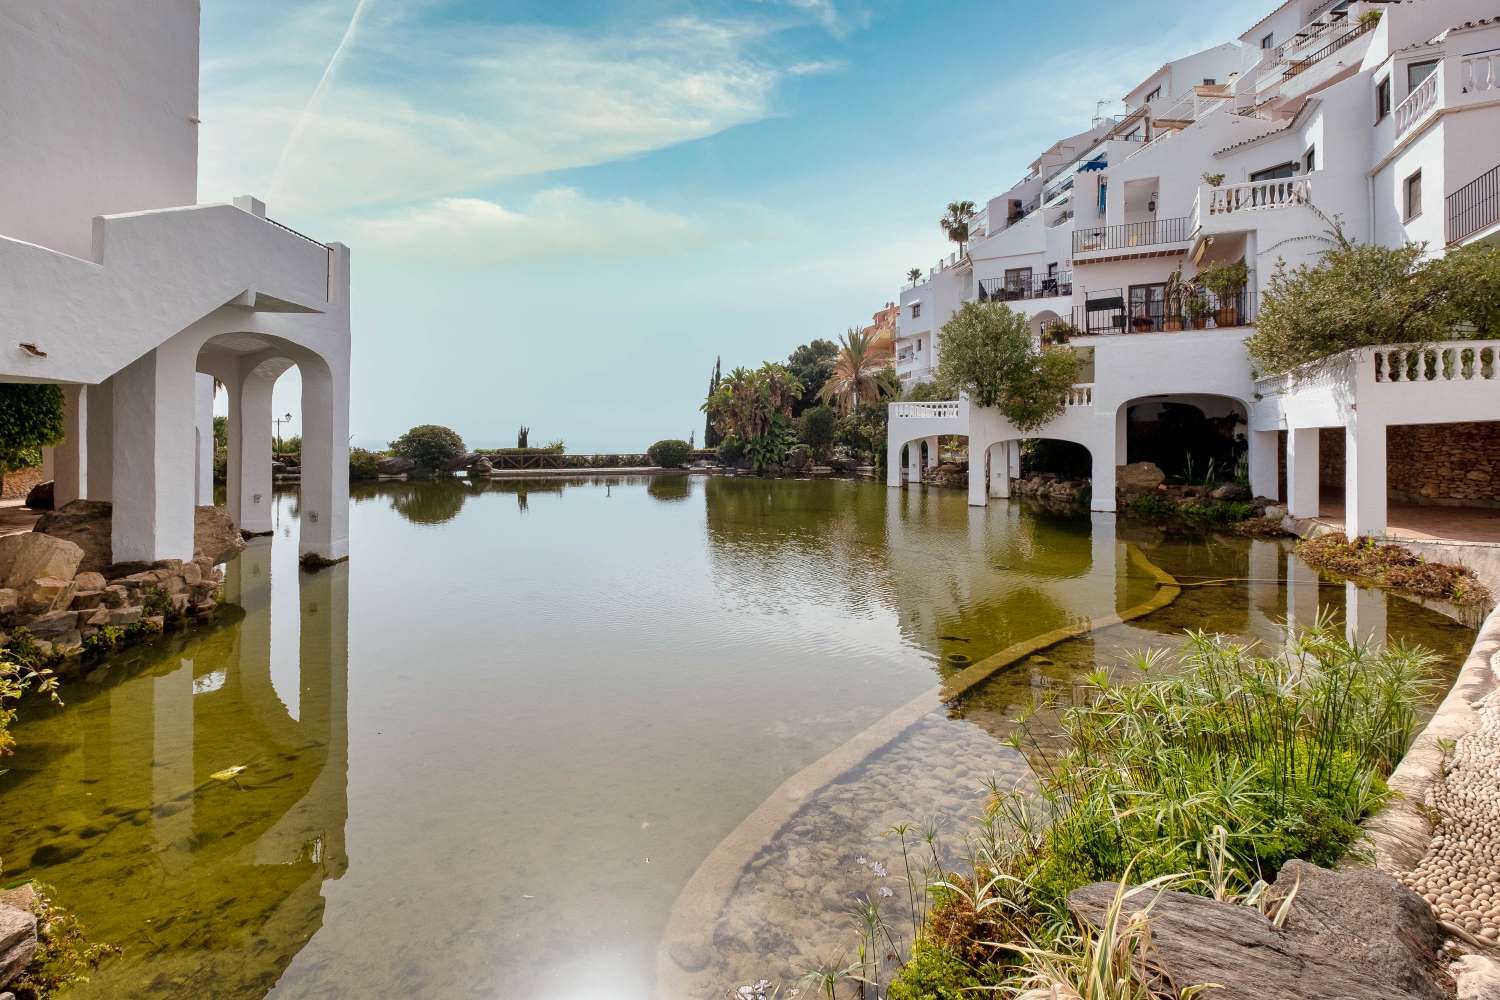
<point>1097,163</point>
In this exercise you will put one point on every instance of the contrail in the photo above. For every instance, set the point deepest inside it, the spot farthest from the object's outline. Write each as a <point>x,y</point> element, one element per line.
<point>318,93</point>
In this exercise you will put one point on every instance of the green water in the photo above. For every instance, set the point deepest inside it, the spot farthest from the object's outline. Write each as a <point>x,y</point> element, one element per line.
<point>483,756</point>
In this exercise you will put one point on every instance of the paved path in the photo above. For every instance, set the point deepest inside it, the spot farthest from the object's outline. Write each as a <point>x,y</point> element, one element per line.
<point>15,519</point>
<point>1450,524</point>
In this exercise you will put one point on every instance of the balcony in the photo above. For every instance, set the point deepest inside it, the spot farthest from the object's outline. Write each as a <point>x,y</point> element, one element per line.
<point>1029,287</point>
<point>1475,207</point>
<point>1299,66</point>
<point>1418,103</point>
<point>1107,314</point>
<point>1154,238</point>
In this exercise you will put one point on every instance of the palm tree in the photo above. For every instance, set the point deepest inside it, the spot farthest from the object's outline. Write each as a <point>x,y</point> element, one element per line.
<point>857,371</point>
<point>956,223</point>
<point>914,275</point>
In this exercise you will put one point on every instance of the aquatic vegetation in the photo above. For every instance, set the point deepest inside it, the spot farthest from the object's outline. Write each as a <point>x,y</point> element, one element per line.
<point>1394,567</point>
<point>64,955</point>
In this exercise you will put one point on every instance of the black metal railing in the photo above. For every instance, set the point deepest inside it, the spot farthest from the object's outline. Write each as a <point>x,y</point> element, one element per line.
<point>1132,235</point>
<point>1474,206</point>
<point>1308,62</point>
<point>1199,310</point>
<point>1031,286</point>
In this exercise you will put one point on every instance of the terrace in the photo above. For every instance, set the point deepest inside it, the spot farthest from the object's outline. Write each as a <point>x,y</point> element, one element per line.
<point>1145,309</point>
<point>1015,287</point>
<point>1151,238</point>
<point>1474,209</point>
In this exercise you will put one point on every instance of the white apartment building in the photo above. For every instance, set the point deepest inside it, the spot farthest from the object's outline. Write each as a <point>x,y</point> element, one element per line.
<point>116,284</point>
<point>1322,110</point>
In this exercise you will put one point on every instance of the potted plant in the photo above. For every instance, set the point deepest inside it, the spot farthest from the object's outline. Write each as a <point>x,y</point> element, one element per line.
<point>1213,180</point>
<point>1225,282</point>
<point>1172,296</point>
<point>1197,307</point>
<point>1369,19</point>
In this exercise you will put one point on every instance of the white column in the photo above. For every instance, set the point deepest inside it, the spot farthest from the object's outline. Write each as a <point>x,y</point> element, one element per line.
<point>999,462</point>
<point>204,424</point>
<point>1302,471</point>
<point>70,456</point>
<point>892,460</point>
<point>153,457</point>
<point>932,453</point>
<point>1122,434</point>
<point>324,503</point>
<point>914,461</point>
<point>979,473</point>
<point>1364,477</point>
<point>1015,460</point>
<point>1105,462</point>
<point>250,438</point>
<point>1262,459</point>
<point>99,416</point>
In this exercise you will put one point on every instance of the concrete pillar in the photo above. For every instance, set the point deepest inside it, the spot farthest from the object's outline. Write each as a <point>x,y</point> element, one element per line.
<point>1262,460</point>
<point>1365,616</point>
<point>932,453</point>
<point>204,444</point>
<point>1364,477</point>
<point>914,461</point>
<point>1015,460</point>
<point>979,473</point>
<point>1302,472</point>
<point>153,479</point>
<point>70,456</point>
<point>892,462</point>
<point>99,416</point>
<point>324,525</point>
<point>250,441</point>
<point>999,462</point>
<point>1122,435</point>
<point>1105,463</point>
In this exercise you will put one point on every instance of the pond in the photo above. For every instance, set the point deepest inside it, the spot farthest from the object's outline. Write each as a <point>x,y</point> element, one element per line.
<point>485,756</point>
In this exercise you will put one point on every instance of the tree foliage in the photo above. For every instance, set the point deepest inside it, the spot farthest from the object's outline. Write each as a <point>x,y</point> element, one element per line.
<point>431,446</point>
<point>1364,295</point>
<point>755,407</point>
<point>670,453</point>
<point>816,428</point>
<point>31,417</point>
<point>859,372</point>
<point>811,364</point>
<point>988,354</point>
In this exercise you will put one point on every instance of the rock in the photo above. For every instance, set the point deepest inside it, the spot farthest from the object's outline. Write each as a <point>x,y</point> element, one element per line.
<point>215,535</point>
<point>89,581</point>
<point>1354,935</point>
<point>86,523</point>
<point>30,555</point>
<point>1277,511</point>
<point>1139,478</point>
<point>10,599</point>
<point>483,467</point>
<point>40,496</point>
<point>192,574</point>
<point>17,941</point>
<point>53,624</point>
<point>690,955</point>
<point>1231,491</point>
<point>124,616</point>
<point>394,466</point>
<point>115,596</point>
<point>47,594</point>
<point>1477,977</point>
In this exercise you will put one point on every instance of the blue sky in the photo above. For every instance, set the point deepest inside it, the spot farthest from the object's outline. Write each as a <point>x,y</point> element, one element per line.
<point>561,212</point>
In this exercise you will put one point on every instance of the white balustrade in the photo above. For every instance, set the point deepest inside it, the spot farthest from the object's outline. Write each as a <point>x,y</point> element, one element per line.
<point>1452,361</point>
<point>1418,103</point>
<point>1479,73</point>
<point>1283,192</point>
<point>1081,395</point>
<point>927,411</point>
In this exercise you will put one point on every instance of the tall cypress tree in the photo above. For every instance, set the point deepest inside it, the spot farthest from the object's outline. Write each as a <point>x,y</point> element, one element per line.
<point>711,436</point>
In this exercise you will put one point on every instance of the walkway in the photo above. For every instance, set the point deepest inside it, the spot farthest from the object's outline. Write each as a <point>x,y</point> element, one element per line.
<point>16,519</point>
<point>1426,524</point>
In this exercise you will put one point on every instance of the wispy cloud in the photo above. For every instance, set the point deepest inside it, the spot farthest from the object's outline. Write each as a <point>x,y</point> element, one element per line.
<point>560,221</point>
<point>408,109</point>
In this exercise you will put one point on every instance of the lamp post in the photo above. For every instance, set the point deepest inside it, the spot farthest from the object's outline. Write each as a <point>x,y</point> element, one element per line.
<point>279,421</point>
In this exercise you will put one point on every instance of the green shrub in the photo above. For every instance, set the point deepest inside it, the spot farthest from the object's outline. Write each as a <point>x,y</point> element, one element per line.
<point>64,955</point>
<point>816,428</point>
<point>934,973</point>
<point>31,416</point>
<point>363,464</point>
<point>731,451</point>
<point>430,446</point>
<point>670,453</point>
<point>105,640</point>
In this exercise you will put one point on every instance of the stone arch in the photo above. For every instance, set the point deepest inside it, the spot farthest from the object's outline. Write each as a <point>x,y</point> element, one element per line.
<point>1183,432</point>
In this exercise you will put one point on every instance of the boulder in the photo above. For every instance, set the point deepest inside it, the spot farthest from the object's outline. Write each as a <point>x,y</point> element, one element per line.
<point>215,535</point>
<point>47,593</point>
<point>53,624</point>
<point>40,496</point>
<point>89,581</point>
<point>10,600</point>
<point>17,941</point>
<point>482,467</point>
<point>394,466</point>
<point>1231,491</point>
<point>29,555</point>
<point>85,523</point>
<point>1354,935</point>
<point>1139,478</point>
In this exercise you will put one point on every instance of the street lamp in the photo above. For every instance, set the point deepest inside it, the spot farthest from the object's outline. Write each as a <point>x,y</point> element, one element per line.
<point>279,421</point>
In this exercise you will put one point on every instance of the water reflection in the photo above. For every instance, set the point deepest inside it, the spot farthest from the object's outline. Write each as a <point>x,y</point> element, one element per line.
<point>211,884</point>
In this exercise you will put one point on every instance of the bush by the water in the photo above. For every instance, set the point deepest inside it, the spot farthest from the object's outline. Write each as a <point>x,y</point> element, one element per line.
<point>1213,512</point>
<point>1212,768</point>
<point>670,454</point>
<point>1394,567</point>
<point>363,464</point>
<point>431,446</point>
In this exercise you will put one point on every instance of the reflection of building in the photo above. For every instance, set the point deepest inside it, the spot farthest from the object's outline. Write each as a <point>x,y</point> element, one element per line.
<point>116,284</point>
<point>211,883</point>
<point>1135,232</point>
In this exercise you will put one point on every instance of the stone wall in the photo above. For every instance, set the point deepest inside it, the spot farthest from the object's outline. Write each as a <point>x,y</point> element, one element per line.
<point>1440,464</point>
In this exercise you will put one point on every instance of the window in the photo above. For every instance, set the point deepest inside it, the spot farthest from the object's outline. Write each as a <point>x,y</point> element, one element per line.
<point>916,309</point>
<point>1018,279</point>
<point>1209,81</point>
<point>1382,98</point>
<point>1272,173</point>
<point>1417,72</point>
<point>919,346</point>
<point>1156,93</point>
<point>1269,41</point>
<point>1147,305</point>
<point>1413,190</point>
<point>1310,159</point>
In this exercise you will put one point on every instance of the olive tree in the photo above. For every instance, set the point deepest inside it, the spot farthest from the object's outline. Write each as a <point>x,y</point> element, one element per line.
<point>430,446</point>
<point>988,354</point>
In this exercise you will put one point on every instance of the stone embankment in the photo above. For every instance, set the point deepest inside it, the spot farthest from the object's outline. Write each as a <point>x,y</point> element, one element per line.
<point>60,583</point>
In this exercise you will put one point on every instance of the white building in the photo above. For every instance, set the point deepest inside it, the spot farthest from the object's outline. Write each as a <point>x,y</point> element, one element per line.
<point>1385,116</point>
<point>118,285</point>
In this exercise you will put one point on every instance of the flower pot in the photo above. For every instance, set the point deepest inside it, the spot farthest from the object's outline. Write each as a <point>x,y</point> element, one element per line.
<point>1172,324</point>
<point>1227,316</point>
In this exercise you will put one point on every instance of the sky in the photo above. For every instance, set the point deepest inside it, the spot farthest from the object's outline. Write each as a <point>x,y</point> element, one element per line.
<point>561,212</point>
